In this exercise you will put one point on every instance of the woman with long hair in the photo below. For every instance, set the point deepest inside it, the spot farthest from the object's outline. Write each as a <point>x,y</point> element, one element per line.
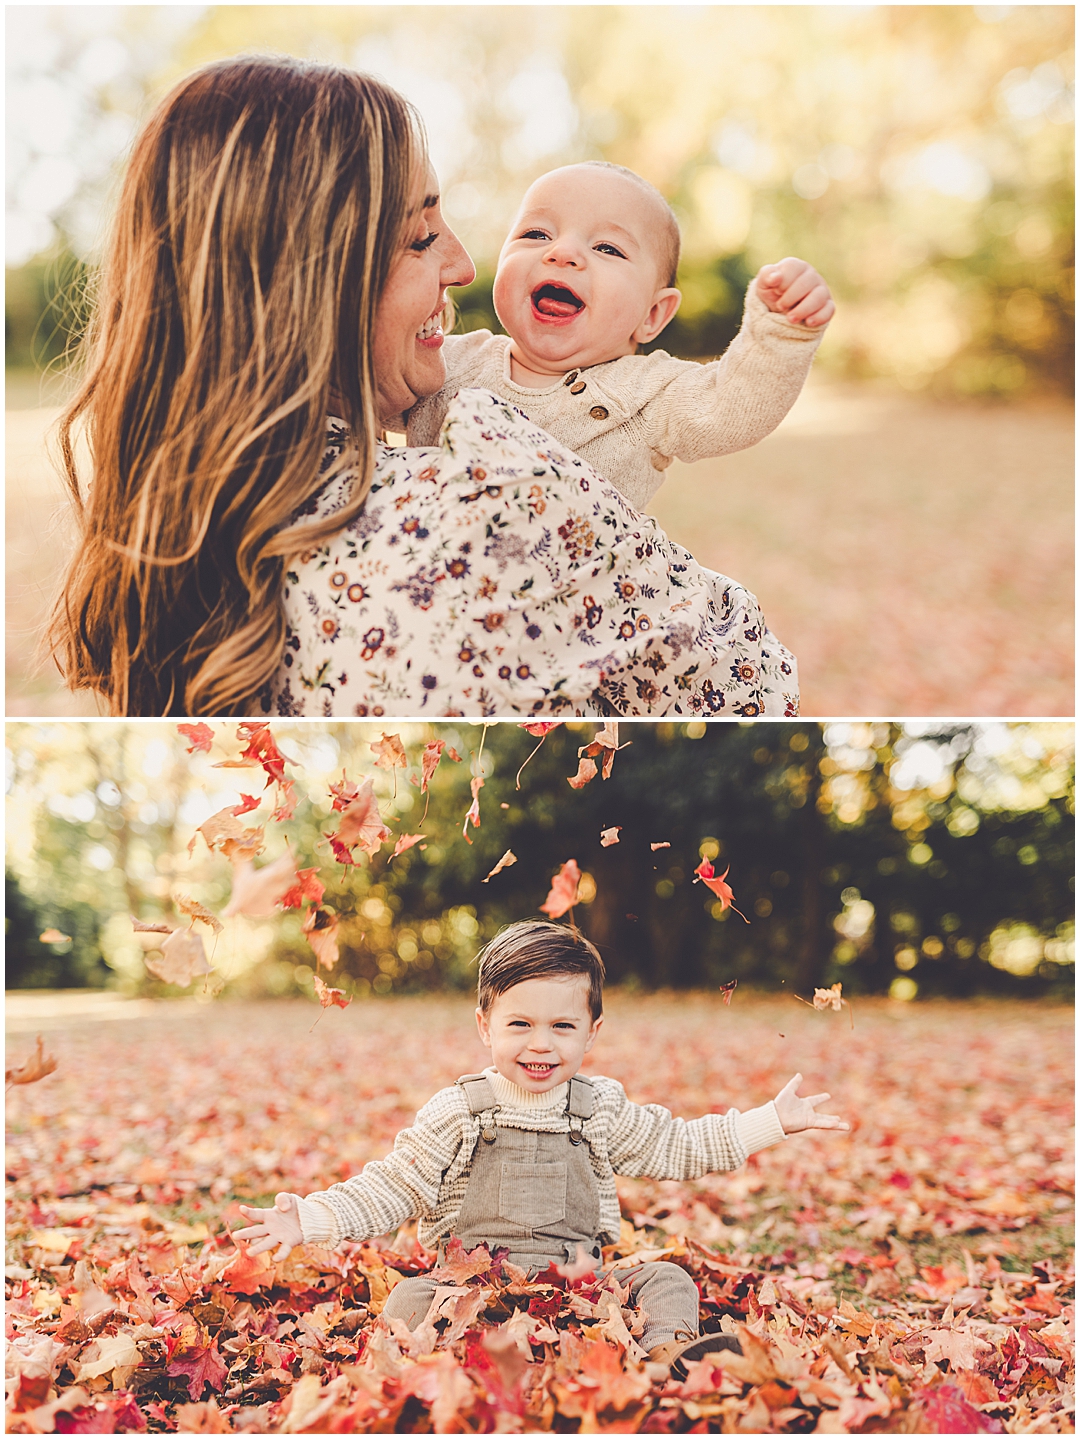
<point>278,257</point>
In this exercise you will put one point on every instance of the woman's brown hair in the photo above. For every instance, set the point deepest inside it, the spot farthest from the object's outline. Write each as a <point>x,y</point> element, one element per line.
<point>261,212</point>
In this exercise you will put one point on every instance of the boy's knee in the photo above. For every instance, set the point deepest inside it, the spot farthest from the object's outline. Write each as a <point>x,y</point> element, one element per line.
<point>410,1300</point>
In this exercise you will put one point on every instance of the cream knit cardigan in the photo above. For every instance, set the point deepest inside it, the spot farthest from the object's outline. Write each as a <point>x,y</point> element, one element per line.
<point>630,417</point>
<point>426,1173</point>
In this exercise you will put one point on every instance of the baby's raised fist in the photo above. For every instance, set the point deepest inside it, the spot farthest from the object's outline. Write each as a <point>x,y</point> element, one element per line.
<point>794,289</point>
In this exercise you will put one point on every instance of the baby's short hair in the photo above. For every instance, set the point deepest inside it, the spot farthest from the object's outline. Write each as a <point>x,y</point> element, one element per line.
<point>669,237</point>
<point>538,949</point>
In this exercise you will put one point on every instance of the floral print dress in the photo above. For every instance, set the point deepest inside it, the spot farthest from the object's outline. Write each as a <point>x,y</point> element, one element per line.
<point>500,575</point>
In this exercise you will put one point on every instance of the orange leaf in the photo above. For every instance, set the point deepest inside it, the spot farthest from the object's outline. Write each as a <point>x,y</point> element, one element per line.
<point>539,728</point>
<point>389,752</point>
<point>361,822</point>
<point>327,996</point>
<point>716,883</point>
<point>225,832</point>
<point>200,735</point>
<point>54,936</point>
<point>829,998</point>
<point>287,808</point>
<point>259,892</point>
<point>564,888</point>
<point>458,1266</point>
<point>476,784</point>
<point>507,860</point>
<point>586,770</point>
<point>36,1067</point>
<point>610,836</point>
<point>429,761</point>
<point>727,990</point>
<point>181,960</point>
<point>321,926</point>
<point>664,844</point>
<point>405,841</point>
<point>308,886</point>
<point>194,910</point>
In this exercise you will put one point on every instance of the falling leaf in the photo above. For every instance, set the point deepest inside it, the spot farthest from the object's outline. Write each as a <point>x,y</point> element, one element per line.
<point>36,1067</point>
<point>716,883</point>
<point>389,752</point>
<point>610,836</point>
<point>664,844</point>
<point>308,886</point>
<point>539,728</point>
<point>321,927</point>
<point>342,852</point>
<point>200,735</point>
<point>829,998</point>
<point>476,784</point>
<point>327,996</point>
<point>54,936</point>
<point>727,990</point>
<point>564,888</point>
<point>181,960</point>
<point>507,860</point>
<point>344,793</point>
<point>225,832</point>
<point>262,749</point>
<point>287,808</point>
<point>429,761</point>
<point>586,771</point>
<point>405,841</point>
<point>582,1264</point>
<point>194,910</point>
<point>606,744</point>
<point>361,822</point>
<point>258,892</point>
<point>247,802</point>
<point>140,928</point>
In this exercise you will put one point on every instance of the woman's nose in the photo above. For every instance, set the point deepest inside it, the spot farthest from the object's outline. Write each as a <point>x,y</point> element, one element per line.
<point>458,268</point>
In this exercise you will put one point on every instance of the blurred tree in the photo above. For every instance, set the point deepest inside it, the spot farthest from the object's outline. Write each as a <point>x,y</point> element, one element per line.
<point>889,859</point>
<point>74,962</point>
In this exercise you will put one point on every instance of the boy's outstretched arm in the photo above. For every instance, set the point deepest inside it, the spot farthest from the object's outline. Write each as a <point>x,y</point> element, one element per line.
<point>796,1114</point>
<point>280,1226</point>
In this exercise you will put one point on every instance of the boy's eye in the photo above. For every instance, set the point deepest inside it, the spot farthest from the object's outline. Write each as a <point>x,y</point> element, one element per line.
<point>535,235</point>
<point>428,240</point>
<point>607,249</point>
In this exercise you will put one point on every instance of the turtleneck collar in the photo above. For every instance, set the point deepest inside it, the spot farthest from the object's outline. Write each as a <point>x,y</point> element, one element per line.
<point>512,1095</point>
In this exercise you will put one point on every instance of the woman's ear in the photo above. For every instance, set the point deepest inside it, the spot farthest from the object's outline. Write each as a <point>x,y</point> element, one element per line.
<point>661,313</point>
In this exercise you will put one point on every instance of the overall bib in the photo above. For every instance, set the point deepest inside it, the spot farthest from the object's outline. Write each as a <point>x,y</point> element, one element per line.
<point>535,1194</point>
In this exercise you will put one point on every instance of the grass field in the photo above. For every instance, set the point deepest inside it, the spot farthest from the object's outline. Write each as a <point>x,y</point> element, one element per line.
<point>922,1261</point>
<point>916,556</point>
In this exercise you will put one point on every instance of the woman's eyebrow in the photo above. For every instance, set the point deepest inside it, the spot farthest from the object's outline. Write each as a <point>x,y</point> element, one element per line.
<point>430,201</point>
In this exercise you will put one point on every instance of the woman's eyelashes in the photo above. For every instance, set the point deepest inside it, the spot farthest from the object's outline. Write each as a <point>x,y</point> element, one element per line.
<point>426,242</point>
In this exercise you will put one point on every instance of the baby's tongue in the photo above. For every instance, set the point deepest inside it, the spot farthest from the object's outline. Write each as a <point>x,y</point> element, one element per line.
<point>557,309</point>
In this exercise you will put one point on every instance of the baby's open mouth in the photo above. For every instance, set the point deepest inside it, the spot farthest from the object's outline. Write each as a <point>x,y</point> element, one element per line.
<point>557,302</point>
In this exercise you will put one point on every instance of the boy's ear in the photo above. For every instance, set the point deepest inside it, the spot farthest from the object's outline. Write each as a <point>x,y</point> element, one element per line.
<point>661,313</point>
<point>482,1026</point>
<point>593,1033</point>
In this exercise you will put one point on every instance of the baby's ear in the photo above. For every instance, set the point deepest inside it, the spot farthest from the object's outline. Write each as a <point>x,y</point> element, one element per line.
<point>661,313</point>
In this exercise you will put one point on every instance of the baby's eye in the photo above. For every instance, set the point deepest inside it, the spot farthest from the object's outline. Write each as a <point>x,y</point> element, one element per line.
<point>606,249</point>
<point>427,241</point>
<point>535,235</point>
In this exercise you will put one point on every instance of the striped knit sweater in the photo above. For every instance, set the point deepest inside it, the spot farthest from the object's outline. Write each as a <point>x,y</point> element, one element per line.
<point>426,1174</point>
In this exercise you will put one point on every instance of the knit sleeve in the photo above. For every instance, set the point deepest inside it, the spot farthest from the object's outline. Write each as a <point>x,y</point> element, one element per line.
<point>647,1142</point>
<point>404,1185</point>
<point>732,403</point>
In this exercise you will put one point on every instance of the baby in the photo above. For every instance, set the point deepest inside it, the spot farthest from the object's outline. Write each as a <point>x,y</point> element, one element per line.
<point>586,275</point>
<point>524,1155</point>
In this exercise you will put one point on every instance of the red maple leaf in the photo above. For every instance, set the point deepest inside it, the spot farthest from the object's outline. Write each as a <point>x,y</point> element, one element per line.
<point>361,822</point>
<point>715,882</point>
<point>262,748</point>
<point>539,728</point>
<point>247,802</point>
<point>458,1265</point>
<point>327,996</point>
<point>200,735</point>
<point>308,887</point>
<point>203,1366</point>
<point>342,852</point>
<point>344,793</point>
<point>563,892</point>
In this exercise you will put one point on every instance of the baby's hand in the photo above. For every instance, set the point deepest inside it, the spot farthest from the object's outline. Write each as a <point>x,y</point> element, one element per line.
<point>280,1225</point>
<point>796,1114</point>
<point>794,289</point>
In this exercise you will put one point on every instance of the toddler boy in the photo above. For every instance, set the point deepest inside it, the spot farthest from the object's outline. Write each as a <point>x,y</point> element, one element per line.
<point>524,1155</point>
<point>586,275</point>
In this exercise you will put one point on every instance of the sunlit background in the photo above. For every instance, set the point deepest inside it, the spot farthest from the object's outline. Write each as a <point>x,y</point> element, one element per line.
<point>914,861</point>
<point>920,156</point>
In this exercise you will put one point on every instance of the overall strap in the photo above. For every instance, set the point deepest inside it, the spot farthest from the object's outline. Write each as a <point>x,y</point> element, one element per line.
<point>481,1100</point>
<point>579,1106</point>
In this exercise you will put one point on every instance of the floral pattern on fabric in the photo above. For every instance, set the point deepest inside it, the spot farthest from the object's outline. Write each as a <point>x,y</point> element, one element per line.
<point>500,575</point>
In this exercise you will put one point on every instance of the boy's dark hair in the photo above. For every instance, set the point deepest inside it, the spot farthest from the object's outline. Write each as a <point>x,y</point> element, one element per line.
<point>538,949</point>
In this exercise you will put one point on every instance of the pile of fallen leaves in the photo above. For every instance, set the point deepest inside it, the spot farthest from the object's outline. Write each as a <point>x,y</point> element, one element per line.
<point>909,1278</point>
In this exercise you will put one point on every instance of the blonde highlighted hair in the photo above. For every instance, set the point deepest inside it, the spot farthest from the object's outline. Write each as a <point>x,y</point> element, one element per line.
<point>261,212</point>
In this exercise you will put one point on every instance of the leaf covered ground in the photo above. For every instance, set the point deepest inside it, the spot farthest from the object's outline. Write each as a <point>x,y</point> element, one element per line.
<point>911,1277</point>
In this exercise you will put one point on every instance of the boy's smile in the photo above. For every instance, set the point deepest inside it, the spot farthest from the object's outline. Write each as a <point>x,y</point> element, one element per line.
<point>539,1031</point>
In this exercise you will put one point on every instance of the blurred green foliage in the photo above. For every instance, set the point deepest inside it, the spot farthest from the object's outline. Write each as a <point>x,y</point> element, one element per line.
<point>920,156</point>
<point>903,862</point>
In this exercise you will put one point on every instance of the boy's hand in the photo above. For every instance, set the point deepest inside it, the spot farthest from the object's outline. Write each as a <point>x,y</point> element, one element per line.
<point>796,1114</point>
<point>280,1225</point>
<point>794,289</point>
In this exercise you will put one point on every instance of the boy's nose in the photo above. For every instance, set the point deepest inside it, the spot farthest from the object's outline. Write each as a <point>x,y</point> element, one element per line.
<point>564,253</point>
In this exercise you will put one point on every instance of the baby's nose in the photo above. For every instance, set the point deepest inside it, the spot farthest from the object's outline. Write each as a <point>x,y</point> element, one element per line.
<point>564,253</point>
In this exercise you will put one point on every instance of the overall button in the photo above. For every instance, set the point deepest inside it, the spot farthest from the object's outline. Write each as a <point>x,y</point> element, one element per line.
<point>571,377</point>
<point>577,389</point>
<point>598,412</point>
